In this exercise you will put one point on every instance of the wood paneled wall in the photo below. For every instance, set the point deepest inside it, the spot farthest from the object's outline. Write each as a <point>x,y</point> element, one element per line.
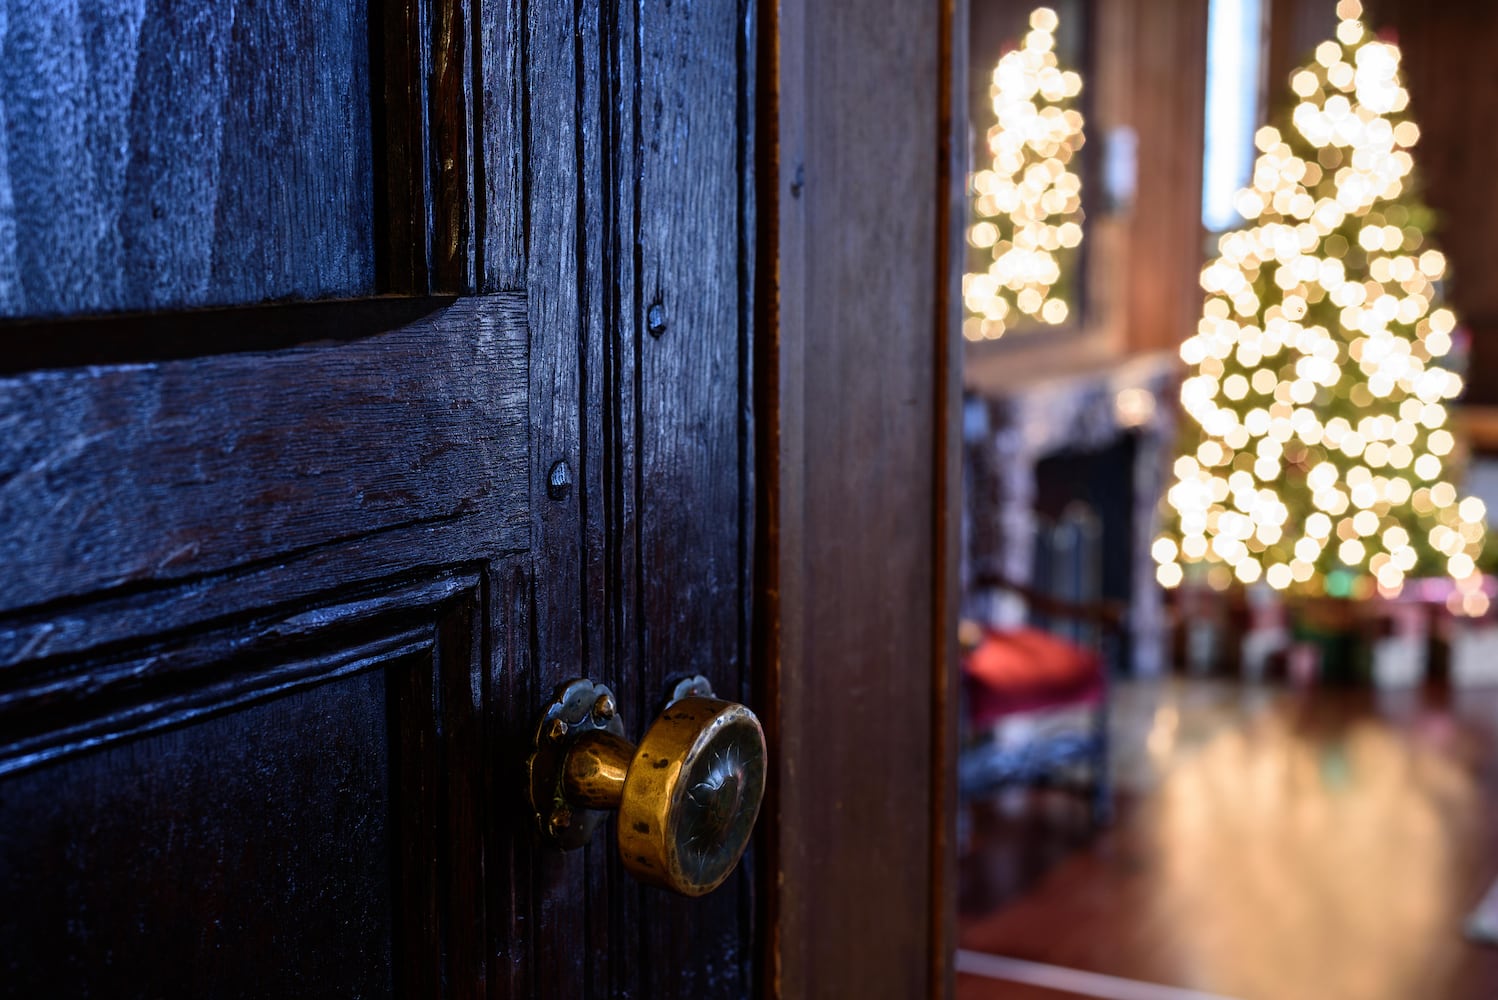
<point>1144,258</point>
<point>1159,90</point>
<point>1453,81</point>
<point>1150,76</point>
<point>1296,27</point>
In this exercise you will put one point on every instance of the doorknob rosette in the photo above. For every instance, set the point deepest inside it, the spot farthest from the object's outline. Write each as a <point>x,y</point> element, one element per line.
<point>687,795</point>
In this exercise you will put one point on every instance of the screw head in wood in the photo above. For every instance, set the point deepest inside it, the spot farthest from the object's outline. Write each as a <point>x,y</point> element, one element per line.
<point>559,480</point>
<point>655,319</point>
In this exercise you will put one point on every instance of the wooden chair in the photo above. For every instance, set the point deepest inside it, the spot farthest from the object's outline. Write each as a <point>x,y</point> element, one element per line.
<point>1045,678</point>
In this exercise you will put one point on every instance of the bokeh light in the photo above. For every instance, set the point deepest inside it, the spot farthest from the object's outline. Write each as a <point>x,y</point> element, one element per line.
<point>1027,203</point>
<point>1318,440</point>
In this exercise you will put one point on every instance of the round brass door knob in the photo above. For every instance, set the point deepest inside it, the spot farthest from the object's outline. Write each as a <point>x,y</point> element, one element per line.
<point>687,795</point>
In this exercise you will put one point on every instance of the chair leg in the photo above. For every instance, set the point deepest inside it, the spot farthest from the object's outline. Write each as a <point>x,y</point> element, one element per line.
<point>1102,791</point>
<point>1102,777</point>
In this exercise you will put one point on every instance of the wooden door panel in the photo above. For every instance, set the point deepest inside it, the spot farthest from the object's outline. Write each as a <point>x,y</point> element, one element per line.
<point>252,848</point>
<point>156,154</point>
<point>418,512</point>
<point>288,809</point>
<point>340,501</point>
<point>420,427</point>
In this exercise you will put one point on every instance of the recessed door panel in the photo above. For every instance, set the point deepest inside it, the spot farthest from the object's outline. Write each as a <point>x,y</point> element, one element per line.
<point>287,808</point>
<point>157,154</point>
<point>247,854</point>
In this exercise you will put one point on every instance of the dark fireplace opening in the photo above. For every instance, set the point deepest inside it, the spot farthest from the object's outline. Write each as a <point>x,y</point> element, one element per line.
<point>1085,524</point>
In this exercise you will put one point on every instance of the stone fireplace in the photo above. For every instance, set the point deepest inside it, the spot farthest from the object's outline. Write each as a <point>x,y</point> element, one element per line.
<point>1073,461</point>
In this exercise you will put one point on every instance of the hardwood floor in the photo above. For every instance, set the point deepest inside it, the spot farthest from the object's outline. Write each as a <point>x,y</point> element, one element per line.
<point>1269,846</point>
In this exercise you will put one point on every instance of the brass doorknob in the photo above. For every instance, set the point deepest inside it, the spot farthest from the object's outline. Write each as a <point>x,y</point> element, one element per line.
<point>687,795</point>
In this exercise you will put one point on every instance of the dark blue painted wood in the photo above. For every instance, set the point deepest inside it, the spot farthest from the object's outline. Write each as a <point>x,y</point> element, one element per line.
<point>180,491</point>
<point>125,475</point>
<point>294,808</point>
<point>157,153</point>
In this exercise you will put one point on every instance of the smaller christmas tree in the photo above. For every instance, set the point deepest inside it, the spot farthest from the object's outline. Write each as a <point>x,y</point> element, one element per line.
<point>1318,455</point>
<point>1027,203</point>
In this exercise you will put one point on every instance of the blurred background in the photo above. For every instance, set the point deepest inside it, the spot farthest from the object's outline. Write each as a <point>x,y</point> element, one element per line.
<point>1230,717</point>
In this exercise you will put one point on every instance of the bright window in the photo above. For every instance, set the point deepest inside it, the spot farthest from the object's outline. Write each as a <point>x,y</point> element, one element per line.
<point>1235,49</point>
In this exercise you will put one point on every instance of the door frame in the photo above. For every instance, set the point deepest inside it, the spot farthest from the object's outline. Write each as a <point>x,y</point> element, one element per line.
<point>862,140</point>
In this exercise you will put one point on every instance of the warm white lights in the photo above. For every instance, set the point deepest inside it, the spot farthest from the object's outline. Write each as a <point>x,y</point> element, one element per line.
<point>1027,205</point>
<point>1321,448</point>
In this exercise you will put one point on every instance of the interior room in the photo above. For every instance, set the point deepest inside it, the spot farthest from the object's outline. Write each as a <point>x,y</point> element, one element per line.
<point>712,499</point>
<point>1230,662</point>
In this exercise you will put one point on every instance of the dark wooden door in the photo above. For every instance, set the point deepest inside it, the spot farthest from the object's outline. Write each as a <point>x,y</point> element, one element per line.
<point>367,369</point>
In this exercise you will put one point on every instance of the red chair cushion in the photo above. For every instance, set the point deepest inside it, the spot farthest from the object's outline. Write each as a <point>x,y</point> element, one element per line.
<point>1024,670</point>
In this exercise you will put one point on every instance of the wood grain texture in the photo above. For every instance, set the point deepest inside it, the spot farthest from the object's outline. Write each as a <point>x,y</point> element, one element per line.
<point>162,155</point>
<point>514,911</point>
<point>450,129</point>
<point>137,338</point>
<point>847,611</point>
<point>500,145</point>
<point>215,865</point>
<point>452,136</point>
<point>637,166</point>
<point>558,283</point>
<point>947,488</point>
<point>420,425</point>
<point>402,52</point>
<point>606,65</point>
<point>465,788</point>
<point>691,423</point>
<point>53,706</point>
<point>178,510</point>
<point>284,807</point>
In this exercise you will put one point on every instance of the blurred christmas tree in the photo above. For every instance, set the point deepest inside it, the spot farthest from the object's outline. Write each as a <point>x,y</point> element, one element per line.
<point>1318,455</point>
<point>1027,204</point>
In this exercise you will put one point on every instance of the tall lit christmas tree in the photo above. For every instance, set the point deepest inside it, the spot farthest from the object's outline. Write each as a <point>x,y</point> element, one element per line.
<point>1318,452</point>
<point>1027,203</point>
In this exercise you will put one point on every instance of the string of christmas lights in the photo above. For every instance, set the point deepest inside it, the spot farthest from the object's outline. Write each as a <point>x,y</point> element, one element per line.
<point>1321,453</point>
<point>1028,204</point>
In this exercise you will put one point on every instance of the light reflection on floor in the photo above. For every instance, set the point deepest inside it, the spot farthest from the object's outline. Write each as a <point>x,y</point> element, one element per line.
<point>1272,846</point>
